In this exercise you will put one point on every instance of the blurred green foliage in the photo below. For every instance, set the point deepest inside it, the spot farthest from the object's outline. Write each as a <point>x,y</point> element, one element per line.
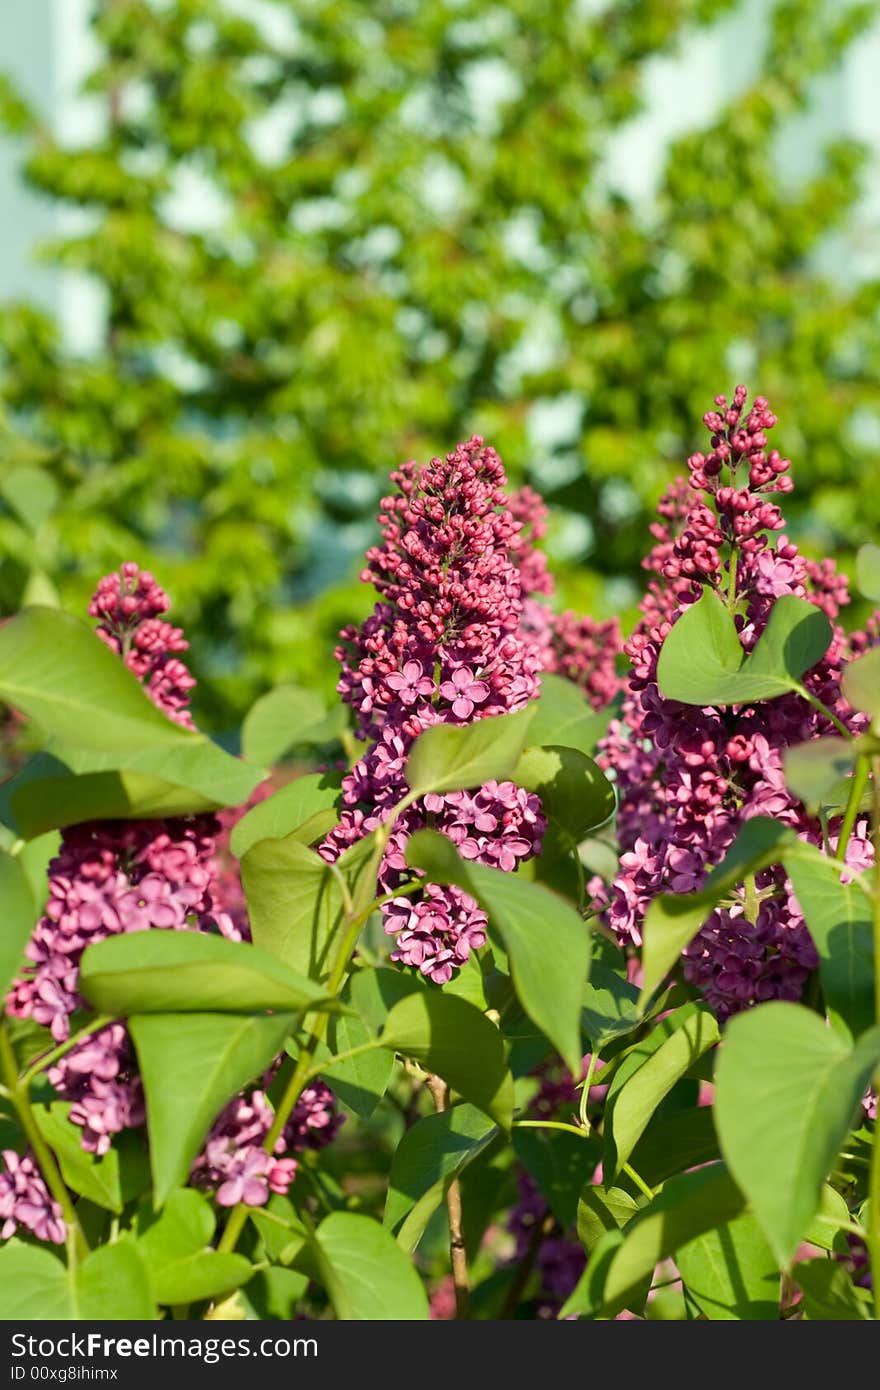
<point>416,241</point>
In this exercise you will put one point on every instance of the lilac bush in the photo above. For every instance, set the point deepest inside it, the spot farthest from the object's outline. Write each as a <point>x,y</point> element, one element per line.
<point>652,1093</point>
<point>689,778</point>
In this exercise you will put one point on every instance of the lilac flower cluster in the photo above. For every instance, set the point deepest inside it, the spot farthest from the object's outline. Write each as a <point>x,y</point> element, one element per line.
<point>445,643</point>
<point>688,778</point>
<point>234,1163</point>
<point>128,605</point>
<point>111,877</point>
<point>580,648</point>
<point>25,1201</point>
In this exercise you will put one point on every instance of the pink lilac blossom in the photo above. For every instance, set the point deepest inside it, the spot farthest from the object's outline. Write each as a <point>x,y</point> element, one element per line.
<point>111,877</point>
<point>688,778</point>
<point>444,644</point>
<point>441,1303</point>
<point>234,1162</point>
<point>128,605</point>
<point>25,1201</point>
<point>580,648</point>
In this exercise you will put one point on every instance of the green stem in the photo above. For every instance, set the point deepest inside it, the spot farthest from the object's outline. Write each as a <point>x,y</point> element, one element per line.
<point>856,791</point>
<point>823,709</point>
<point>318,1067</point>
<point>48,1058</point>
<point>585,1092</point>
<point>731,578</point>
<point>549,1124</point>
<point>305,1061</point>
<point>638,1180</point>
<point>77,1244</point>
<point>751,902</point>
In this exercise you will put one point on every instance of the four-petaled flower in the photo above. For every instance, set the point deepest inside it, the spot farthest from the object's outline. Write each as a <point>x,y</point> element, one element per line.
<point>465,692</point>
<point>410,684</point>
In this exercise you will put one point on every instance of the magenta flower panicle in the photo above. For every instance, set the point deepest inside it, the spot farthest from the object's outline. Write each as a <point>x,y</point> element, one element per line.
<point>446,643</point>
<point>111,877</point>
<point>688,778</point>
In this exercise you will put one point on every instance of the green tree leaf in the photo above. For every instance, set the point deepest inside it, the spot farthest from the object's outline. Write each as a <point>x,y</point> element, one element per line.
<point>688,1206</point>
<point>455,757</point>
<point>547,943</point>
<point>366,1274</point>
<point>861,682</point>
<point>279,721</point>
<point>829,1293</point>
<point>564,718</point>
<point>814,770</point>
<point>868,571</point>
<point>294,903</point>
<point>731,1274</point>
<point>95,1178</point>
<point>111,1285</point>
<point>560,1163</point>
<point>174,1247</point>
<point>55,790</point>
<point>374,992</point>
<point>797,635</point>
<point>571,786</point>
<point>674,1142</point>
<point>432,1152</point>
<point>171,972</point>
<point>20,913</point>
<point>33,1284</point>
<point>274,1294</point>
<point>191,1065</point>
<point>631,1107</point>
<point>827,1229</point>
<point>601,1210</point>
<point>611,1006</point>
<point>839,918</point>
<point>702,662</point>
<point>448,1036</point>
<point>305,809</point>
<point>361,1082</point>
<point>787,1089</point>
<point>99,718</point>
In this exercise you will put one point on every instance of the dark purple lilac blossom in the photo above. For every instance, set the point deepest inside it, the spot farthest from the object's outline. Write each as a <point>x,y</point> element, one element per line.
<point>444,644</point>
<point>688,778</point>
